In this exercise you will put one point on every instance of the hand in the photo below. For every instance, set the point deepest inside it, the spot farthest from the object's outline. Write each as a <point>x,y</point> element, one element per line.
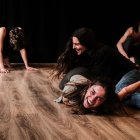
<point>8,65</point>
<point>132,59</point>
<point>7,62</point>
<point>3,70</point>
<point>31,69</point>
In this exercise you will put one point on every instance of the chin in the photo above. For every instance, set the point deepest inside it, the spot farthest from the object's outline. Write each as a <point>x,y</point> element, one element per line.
<point>86,105</point>
<point>79,53</point>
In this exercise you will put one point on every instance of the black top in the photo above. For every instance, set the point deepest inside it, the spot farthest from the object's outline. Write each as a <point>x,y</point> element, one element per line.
<point>132,48</point>
<point>8,49</point>
<point>109,62</point>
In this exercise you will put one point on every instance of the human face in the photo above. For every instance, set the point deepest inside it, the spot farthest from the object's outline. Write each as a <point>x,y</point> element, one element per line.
<point>79,48</point>
<point>94,96</point>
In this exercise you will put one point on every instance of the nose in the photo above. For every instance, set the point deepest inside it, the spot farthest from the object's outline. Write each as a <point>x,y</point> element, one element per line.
<point>74,46</point>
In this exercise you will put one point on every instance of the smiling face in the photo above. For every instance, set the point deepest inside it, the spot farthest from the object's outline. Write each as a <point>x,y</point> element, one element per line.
<point>79,48</point>
<point>94,96</point>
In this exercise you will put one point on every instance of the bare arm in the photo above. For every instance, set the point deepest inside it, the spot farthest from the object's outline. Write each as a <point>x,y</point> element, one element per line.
<point>129,90</point>
<point>25,60</point>
<point>120,43</point>
<point>2,36</point>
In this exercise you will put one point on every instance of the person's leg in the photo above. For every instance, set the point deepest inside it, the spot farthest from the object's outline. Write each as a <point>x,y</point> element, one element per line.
<point>129,78</point>
<point>133,100</point>
<point>76,71</point>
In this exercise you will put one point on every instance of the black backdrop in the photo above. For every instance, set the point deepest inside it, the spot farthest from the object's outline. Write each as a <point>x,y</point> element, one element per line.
<point>48,24</point>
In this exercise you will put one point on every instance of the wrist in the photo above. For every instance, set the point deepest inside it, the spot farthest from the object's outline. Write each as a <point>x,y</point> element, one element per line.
<point>122,93</point>
<point>2,67</point>
<point>26,66</point>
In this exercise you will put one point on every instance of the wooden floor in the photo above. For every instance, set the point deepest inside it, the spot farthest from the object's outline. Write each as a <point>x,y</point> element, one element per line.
<point>28,112</point>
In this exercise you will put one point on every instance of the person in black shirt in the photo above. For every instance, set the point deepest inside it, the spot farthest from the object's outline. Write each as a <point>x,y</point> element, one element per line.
<point>129,44</point>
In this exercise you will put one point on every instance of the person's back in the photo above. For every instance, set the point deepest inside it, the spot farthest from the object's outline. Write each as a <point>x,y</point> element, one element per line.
<point>109,62</point>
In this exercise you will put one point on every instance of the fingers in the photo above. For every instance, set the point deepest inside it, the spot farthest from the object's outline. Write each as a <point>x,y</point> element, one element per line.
<point>31,69</point>
<point>4,70</point>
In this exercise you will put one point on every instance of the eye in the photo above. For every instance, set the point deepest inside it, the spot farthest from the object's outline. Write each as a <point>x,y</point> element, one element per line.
<point>100,99</point>
<point>92,92</point>
<point>76,44</point>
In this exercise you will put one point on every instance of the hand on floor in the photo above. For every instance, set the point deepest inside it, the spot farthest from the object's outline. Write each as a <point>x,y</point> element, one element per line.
<point>3,70</point>
<point>31,69</point>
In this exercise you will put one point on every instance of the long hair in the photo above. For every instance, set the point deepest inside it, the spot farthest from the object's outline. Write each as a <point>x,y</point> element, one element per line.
<point>17,40</point>
<point>69,59</point>
<point>111,103</point>
<point>138,29</point>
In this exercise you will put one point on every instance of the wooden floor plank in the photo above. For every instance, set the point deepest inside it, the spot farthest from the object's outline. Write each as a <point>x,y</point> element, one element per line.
<point>28,112</point>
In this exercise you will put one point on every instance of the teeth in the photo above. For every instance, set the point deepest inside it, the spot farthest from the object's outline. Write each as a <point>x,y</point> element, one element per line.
<point>89,102</point>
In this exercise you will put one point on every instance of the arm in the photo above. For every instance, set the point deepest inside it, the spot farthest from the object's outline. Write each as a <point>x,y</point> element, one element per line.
<point>129,90</point>
<point>120,43</point>
<point>25,60</point>
<point>2,36</point>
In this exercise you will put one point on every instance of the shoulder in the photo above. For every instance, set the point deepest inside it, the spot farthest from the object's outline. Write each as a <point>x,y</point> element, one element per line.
<point>2,28</point>
<point>79,79</point>
<point>129,31</point>
<point>2,31</point>
<point>107,51</point>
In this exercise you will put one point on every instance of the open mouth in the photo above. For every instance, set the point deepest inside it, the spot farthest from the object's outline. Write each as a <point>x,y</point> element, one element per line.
<point>89,102</point>
<point>77,50</point>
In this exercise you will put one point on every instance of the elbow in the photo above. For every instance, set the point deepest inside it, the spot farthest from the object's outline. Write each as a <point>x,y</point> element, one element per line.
<point>118,45</point>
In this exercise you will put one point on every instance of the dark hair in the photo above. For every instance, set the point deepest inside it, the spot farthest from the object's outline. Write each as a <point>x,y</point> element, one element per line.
<point>86,37</point>
<point>111,102</point>
<point>69,58</point>
<point>138,28</point>
<point>17,40</point>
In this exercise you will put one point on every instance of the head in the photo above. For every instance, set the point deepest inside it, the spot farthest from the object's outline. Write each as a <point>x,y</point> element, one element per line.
<point>16,35</point>
<point>100,95</point>
<point>79,48</point>
<point>83,39</point>
<point>95,96</point>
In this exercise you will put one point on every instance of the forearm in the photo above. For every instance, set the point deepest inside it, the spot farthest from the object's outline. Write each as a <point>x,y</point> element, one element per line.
<point>1,61</point>
<point>2,36</point>
<point>24,57</point>
<point>121,50</point>
<point>25,60</point>
<point>123,39</point>
<point>129,90</point>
